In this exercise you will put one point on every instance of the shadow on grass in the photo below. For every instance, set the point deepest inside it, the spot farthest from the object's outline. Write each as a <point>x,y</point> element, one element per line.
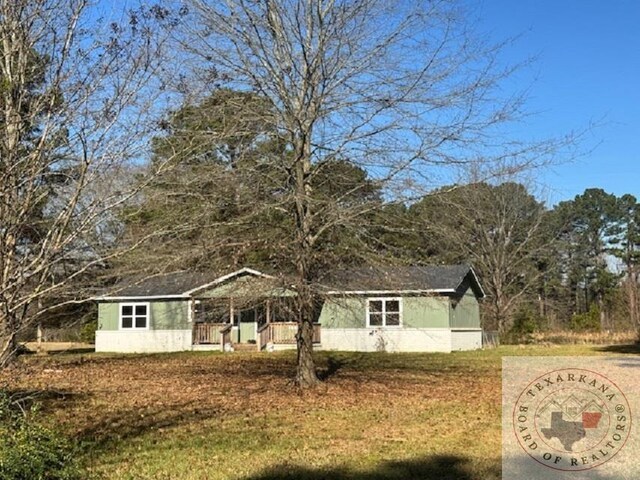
<point>26,399</point>
<point>437,467</point>
<point>434,467</point>
<point>365,364</point>
<point>631,348</point>
<point>79,350</point>
<point>111,431</point>
<point>334,365</point>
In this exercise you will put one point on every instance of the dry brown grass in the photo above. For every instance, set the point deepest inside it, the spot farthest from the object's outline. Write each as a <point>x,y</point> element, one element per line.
<point>58,347</point>
<point>582,338</point>
<point>207,416</point>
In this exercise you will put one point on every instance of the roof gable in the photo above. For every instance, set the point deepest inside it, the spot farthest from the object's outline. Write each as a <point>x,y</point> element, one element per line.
<point>246,286</point>
<point>172,285</point>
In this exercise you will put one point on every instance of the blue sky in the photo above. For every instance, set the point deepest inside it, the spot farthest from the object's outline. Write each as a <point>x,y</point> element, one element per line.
<point>587,69</point>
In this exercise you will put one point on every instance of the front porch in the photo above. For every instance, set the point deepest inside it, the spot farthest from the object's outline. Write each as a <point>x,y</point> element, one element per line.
<point>269,336</point>
<point>246,313</point>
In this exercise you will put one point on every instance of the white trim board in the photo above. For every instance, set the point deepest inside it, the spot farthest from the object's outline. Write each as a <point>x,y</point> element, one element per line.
<point>142,297</point>
<point>224,278</point>
<point>388,292</point>
<point>473,272</point>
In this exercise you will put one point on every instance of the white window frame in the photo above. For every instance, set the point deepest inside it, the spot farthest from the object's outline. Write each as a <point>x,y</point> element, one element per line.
<point>133,325</point>
<point>384,301</point>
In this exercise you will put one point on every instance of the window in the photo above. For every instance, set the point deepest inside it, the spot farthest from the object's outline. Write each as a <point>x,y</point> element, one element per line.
<point>134,316</point>
<point>384,312</point>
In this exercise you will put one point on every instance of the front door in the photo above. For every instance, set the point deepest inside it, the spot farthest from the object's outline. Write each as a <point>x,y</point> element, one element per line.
<point>244,326</point>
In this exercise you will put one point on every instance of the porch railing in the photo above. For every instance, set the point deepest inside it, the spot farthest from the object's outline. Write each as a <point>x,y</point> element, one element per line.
<point>207,333</point>
<point>264,335</point>
<point>282,333</point>
<point>277,333</point>
<point>225,337</point>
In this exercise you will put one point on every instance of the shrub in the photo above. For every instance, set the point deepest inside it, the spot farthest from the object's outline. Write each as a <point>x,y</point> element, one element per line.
<point>586,322</point>
<point>526,321</point>
<point>88,332</point>
<point>30,450</point>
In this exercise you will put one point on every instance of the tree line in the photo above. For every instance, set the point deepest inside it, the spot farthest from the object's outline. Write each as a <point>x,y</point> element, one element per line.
<point>572,266</point>
<point>297,136</point>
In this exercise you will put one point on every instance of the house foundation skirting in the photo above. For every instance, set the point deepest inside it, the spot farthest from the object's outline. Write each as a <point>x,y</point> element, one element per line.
<point>400,339</point>
<point>143,341</point>
<point>345,339</point>
<point>466,339</point>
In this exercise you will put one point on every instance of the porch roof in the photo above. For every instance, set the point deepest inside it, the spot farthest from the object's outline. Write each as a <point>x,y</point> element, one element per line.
<point>248,286</point>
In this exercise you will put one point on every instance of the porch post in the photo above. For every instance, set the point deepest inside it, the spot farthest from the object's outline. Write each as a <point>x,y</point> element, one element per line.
<point>191,317</point>
<point>268,315</point>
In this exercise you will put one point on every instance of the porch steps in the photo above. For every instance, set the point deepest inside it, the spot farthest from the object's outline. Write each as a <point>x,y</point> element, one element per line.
<point>245,347</point>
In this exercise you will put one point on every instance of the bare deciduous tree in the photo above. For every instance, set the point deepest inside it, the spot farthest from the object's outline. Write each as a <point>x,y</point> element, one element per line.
<point>500,229</point>
<point>75,109</point>
<point>403,90</point>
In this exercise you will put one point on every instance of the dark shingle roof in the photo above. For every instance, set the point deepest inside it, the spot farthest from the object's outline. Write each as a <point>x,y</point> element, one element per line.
<point>448,278</point>
<point>168,284</point>
<point>429,277</point>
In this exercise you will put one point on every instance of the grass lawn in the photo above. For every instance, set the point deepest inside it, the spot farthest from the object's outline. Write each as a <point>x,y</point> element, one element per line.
<point>208,415</point>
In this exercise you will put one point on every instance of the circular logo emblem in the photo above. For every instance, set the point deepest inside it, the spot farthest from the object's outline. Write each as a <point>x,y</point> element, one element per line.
<point>572,419</point>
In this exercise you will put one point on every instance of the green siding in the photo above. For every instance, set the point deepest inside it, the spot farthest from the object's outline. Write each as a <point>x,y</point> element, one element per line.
<point>170,315</point>
<point>344,313</point>
<point>165,315</point>
<point>417,312</point>
<point>108,316</point>
<point>466,313</point>
<point>425,312</point>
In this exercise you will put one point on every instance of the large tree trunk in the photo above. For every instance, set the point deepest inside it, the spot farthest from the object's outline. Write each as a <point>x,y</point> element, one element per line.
<point>499,311</point>
<point>306,376</point>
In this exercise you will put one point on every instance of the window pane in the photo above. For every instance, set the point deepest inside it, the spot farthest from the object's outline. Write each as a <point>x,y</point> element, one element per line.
<point>141,309</point>
<point>393,319</point>
<point>375,306</point>
<point>141,322</point>
<point>127,322</point>
<point>393,306</point>
<point>375,319</point>
<point>127,310</point>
